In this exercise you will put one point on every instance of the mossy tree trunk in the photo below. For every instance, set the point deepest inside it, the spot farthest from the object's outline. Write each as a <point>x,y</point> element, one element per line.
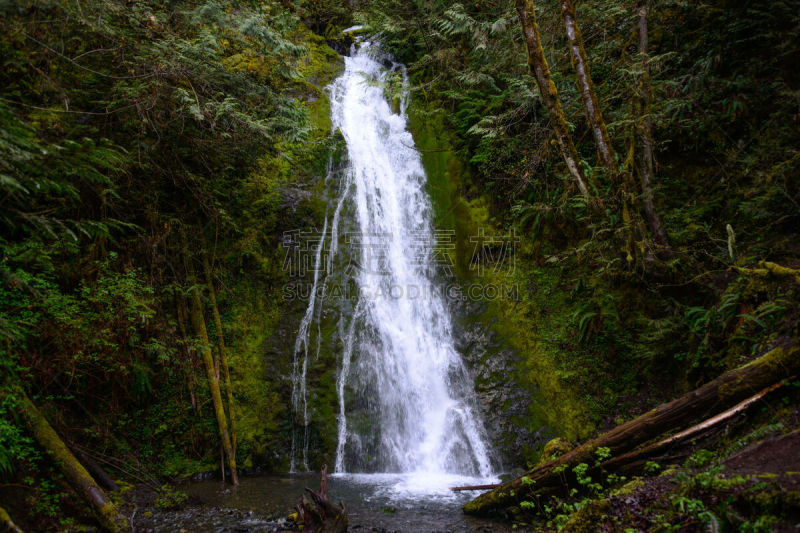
<point>645,126</point>
<point>198,321</point>
<point>719,394</point>
<point>537,64</point>
<point>622,180</point>
<point>223,354</point>
<point>73,471</point>
<point>199,326</point>
<point>583,77</point>
<point>180,313</point>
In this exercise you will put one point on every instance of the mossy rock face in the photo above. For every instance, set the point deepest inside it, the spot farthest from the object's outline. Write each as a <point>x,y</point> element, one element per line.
<point>554,449</point>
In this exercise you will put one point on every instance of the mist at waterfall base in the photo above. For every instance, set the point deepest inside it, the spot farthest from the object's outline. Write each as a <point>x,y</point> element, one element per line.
<point>407,424</point>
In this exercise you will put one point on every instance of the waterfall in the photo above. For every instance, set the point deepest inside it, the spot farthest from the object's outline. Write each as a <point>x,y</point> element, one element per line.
<point>404,395</point>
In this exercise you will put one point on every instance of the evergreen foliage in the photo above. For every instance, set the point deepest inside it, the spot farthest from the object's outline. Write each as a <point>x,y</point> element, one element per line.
<point>139,138</point>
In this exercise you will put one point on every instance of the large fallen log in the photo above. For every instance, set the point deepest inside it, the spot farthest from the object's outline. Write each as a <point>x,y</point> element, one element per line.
<point>720,394</point>
<point>76,475</point>
<point>697,431</point>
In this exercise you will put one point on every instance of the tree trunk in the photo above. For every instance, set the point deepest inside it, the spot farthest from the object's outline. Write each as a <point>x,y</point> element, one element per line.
<point>605,151</point>
<point>646,157</point>
<point>7,524</point>
<point>623,181</point>
<point>199,325</point>
<point>180,313</point>
<point>721,393</point>
<point>76,475</point>
<point>223,354</point>
<point>537,64</point>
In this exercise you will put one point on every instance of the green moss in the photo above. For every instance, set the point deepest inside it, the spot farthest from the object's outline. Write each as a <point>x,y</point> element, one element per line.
<point>255,380</point>
<point>555,448</point>
<point>629,488</point>
<point>589,517</point>
<point>318,69</point>
<point>448,181</point>
<point>778,500</point>
<point>258,373</point>
<point>532,325</point>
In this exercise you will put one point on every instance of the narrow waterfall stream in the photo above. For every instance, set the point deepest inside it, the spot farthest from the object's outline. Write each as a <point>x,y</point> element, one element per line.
<point>404,395</point>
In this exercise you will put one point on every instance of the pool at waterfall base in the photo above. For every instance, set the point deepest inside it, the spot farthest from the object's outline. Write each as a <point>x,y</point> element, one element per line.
<point>413,503</point>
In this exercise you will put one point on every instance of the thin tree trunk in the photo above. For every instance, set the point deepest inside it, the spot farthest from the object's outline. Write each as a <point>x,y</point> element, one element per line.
<point>180,313</point>
<point>646,135</point>
<point>721,393</point>
<point>7,524</point>
<point>199,326</point>
<point>97,471</point>
<point>223,353</point>
<point>222,462</point>
<point>605,151</point>
<point>73,471</point>
<point>537,64</point>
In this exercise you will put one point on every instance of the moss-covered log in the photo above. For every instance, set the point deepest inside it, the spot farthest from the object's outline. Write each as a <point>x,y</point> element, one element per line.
<point>6,524</point>
<point>719,394</point>
<point>97,471</point>
<point>769,269</point>
<point>76,475</point>
<point>635,460</point>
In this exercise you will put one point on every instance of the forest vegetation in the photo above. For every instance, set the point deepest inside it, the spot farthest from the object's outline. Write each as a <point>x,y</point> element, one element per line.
<point>646,153</point>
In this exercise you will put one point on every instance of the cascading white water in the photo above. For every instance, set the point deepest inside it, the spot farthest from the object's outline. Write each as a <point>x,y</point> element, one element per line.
<point>404,393</point>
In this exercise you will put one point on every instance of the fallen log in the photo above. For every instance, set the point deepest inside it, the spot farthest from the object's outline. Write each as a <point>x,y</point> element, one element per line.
<point>769,269</point>
<point>475,487</point>
<point>76,475</point>
<point>7,524</point>
<point>635,462</point>
<point>692,433</point>
<point>719,394</point>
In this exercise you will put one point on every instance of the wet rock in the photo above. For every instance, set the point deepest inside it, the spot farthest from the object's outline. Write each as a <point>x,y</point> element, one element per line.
<point>501,400</point>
